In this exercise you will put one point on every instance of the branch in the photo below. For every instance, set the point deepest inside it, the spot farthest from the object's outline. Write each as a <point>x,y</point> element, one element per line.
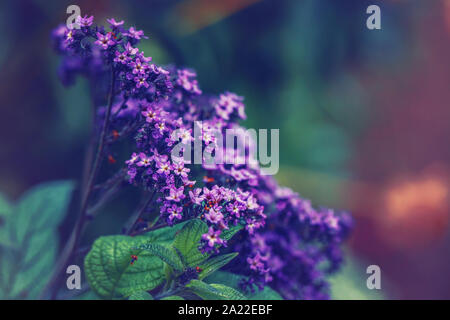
<point>135,218</point>
<point>74,239</point>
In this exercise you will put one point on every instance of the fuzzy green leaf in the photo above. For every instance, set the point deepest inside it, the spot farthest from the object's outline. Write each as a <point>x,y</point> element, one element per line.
<point>166,254</point>
<point>228,293</point>
<point>232,280</point>
<point>173,298</point>
<point>167,234</point>
<point>214,264</point>
<point>142,295</point>
<point>227,234</point>
<point>214,291</point>
<point>109,270</point>
<point>188,240</point>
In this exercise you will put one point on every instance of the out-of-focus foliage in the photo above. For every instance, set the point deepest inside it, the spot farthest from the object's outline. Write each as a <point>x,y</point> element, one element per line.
<point>29,239</point>
<point>350,283</point>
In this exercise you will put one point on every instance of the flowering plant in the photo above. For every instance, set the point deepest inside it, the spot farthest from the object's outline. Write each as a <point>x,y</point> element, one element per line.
<point>267,241</point>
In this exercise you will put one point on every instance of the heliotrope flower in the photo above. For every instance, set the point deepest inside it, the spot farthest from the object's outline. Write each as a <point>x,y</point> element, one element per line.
<point>138,67</point>
<point>164,167</point>
<point>69,36</point>
<point>121,57</point>
<point>115,23</point>
<point>255,263</point>
<point>145,161</point>
<point>235,208</point>
<point>130,50</point>
<point>133,159</point>
<point>176,194</point>
<point>104,40</point>
<point>174,213</point>
<point>186,79</point>
<point>85,21</point>
<point>212,237</point>
<point>136,34</point>
<point>229,103</point>
<point>141,80</point>
<point>180,170</point>
<point>196,196</point>
<point>214,215</point>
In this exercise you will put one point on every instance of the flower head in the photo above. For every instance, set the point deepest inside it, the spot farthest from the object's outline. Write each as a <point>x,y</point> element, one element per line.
<point>114,23</point>
<point>176,194</point>
<point>174,213</point>
<point>196,197</point>
<point>214,215</point>
<point>104,41</point>
<point>135,34</point>
<point>144,160</point>
<point>212,237</point>
<point>85,21</point>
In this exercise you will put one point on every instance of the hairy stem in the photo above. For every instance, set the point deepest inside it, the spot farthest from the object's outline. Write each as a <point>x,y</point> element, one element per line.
<point>74,238</point>
<point>112,187</point>
<point>139,214</point>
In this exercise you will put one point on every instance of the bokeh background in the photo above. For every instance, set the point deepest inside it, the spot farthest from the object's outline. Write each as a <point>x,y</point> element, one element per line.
<point>364,115</point>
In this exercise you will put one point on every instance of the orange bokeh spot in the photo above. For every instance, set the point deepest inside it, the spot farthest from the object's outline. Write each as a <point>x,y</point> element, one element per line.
<point>415,211</point>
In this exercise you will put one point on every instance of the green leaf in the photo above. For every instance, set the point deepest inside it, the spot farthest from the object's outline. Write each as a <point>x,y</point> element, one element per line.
<point>142,295</point>
<point>166,254</point>
<point>42,207</point>
<point>227,234</point>
<point>109,270</point>
<point>203,290</point>
<point>215,264</point>
<point>214,291</point>
<point>224,277</point>
<point>167,234</point>
<point>173,298</point>
<point>31,226</point>
<point>228,292</point>
<point>232,280</point>
<point>188,240</point>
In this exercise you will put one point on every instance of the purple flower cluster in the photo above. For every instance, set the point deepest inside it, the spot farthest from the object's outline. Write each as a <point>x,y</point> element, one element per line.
<point>298,247</point>
<point>228,104</point>
<point>93,50</point>
<point>219,200</point>
<point>285,240</point>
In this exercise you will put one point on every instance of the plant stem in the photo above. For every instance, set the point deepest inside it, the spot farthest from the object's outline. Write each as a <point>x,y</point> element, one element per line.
<point>139,214</point>
<point>74,239</point>
<point>113,187</point>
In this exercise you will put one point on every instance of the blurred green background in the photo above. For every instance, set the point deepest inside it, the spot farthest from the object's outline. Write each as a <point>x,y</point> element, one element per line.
<point>363,115</point>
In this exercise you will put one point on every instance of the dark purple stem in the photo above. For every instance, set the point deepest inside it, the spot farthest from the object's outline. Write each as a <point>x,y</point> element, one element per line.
<point>139,213</point>
<point>74,239</point>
